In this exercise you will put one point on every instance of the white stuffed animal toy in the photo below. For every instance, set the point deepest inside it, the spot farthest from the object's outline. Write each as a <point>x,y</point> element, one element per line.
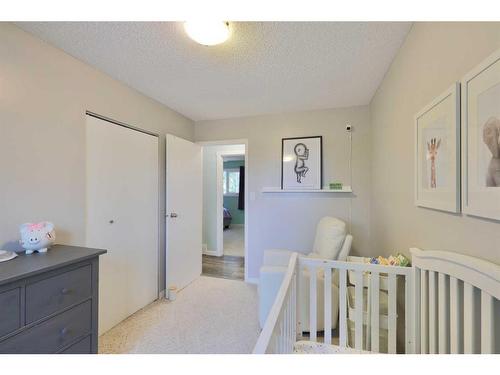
<point>37,236</point>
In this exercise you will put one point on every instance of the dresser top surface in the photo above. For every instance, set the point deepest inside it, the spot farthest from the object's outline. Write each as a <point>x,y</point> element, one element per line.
<point>56,257</point>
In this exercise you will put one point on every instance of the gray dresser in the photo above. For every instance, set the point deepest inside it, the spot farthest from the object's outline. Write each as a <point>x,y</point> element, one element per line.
<point>49,302</point>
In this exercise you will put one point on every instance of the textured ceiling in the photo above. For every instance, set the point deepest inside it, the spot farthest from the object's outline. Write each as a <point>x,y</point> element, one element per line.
<point>265,67</point>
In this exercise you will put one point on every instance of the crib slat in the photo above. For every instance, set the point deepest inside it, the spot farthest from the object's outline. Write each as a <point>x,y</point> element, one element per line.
<point>433,348</point>
<point>343,308</point>
<point>358,311</point>
<point>375,311</point>
<point>443,313</point>
<point>291,329</point>
<point>280,338</point>
<point>409,314</point>
<point>288,324</point>
<point>298,307</point>
<point>487,328</point>
<point>328,305</point>
<point>284,334</point>
<point>417,319</point>
<point>294,311</point>
<point>470,318</point>
<point>392,313</point>
<point>456,333</point>
<point>312,303</point>
<point>289,321</point>
<point>424,312</point>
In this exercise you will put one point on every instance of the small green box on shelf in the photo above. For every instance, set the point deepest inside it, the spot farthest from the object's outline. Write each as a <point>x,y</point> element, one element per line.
<point>335,185</point>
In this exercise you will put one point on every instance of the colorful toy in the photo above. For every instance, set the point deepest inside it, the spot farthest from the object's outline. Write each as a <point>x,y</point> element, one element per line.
<point>37,236</point>
<point>398,260</point>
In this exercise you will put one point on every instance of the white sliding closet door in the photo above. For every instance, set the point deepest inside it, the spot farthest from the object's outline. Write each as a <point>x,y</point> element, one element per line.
<point>122,217</point>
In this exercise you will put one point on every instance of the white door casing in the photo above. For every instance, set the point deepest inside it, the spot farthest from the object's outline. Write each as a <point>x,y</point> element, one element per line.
<point>183,211</point>
<point>122,216</point>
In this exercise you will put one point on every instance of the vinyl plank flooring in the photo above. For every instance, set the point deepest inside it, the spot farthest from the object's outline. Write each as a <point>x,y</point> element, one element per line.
<point>226,267</point>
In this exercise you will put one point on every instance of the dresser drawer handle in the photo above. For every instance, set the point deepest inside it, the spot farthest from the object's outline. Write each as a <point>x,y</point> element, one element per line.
<point>64,331</point>
<point>65,291</point>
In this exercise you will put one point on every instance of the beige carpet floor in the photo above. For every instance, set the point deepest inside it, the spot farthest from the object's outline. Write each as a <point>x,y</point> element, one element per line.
<point>210,316</point>
<point>234,240</point>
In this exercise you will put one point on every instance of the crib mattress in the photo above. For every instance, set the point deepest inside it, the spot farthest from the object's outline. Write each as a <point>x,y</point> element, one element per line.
<point>311,347</point>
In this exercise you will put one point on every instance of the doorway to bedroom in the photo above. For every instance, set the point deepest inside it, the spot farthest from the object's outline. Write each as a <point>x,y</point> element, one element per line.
<point>233,205</point>
<point>224,209</point>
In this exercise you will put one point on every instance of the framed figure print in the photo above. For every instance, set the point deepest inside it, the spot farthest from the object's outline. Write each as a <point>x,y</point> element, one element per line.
<point>437,153</point>
<point>481,139</point>
<point>301,163</point>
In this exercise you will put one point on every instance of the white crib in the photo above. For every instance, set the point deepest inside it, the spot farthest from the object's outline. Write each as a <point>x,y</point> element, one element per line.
<point>450,301</point>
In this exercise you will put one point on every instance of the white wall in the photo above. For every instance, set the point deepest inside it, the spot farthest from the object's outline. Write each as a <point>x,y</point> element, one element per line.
<point>44,94</point>
<point>433,56</point>
<point>210,191</point>
<point>289,220</point>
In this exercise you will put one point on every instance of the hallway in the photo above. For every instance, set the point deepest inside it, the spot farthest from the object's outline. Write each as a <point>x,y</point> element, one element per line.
<point>234,240</point>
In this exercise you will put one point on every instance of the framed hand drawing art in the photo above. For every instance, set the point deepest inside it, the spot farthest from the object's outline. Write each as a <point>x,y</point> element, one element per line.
<point>437,153</point>
<point>481,139</point>
<point>301,163</point>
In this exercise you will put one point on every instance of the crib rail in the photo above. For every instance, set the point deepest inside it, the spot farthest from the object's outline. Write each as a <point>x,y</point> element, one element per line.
<point>283,325</point>
<point>455,300</point>
<point>366,321</point>
<point>451,304</point>
<point>280,330</point>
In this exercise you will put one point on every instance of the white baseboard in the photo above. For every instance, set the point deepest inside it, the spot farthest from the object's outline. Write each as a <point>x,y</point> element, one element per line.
<point>252,280</point>
<point>210,252</point>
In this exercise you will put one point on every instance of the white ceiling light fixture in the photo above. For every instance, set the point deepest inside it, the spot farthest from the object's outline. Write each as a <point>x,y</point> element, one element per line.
<point>208,33</point>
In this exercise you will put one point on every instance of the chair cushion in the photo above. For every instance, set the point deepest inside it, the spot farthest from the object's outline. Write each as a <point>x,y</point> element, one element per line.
<point>330,235</point>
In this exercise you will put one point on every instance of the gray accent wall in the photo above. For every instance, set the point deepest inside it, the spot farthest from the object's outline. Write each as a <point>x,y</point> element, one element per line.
<point>433,57</point>
<point>43,98</point>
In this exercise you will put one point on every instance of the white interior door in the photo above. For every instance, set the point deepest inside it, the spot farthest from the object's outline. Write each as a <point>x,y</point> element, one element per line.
<point>184,211</point>
<point>122,216</point>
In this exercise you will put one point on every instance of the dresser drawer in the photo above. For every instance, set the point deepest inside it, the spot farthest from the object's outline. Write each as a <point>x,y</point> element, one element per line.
<point>10,311</point>
<point>80,347</point>
<point>57,292</point>
<point>53,334</point>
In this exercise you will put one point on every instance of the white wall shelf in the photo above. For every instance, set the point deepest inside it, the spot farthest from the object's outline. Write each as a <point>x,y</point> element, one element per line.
<point>345,189</point>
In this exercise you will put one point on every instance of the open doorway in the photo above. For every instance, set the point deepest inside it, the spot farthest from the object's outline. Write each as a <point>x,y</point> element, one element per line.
<point>233,191</point>
<point>224,214</point>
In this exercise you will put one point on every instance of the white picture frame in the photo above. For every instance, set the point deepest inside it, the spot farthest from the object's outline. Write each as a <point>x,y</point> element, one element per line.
<point>437,152</point>
<point>302,163</point>
<point>480,122</point>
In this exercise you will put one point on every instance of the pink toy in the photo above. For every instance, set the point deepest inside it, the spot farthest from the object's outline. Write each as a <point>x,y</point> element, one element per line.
<point>37,236</point>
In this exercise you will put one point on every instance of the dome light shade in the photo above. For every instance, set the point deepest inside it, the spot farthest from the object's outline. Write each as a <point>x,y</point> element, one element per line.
<point>208,33</point>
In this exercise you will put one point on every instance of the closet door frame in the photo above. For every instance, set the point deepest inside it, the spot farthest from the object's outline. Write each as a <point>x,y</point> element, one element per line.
<point>158,211</point>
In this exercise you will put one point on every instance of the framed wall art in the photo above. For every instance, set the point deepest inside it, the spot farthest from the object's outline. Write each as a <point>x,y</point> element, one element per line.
<point>437,152</point>
<point>301,163</point>
<point>481,139</point>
